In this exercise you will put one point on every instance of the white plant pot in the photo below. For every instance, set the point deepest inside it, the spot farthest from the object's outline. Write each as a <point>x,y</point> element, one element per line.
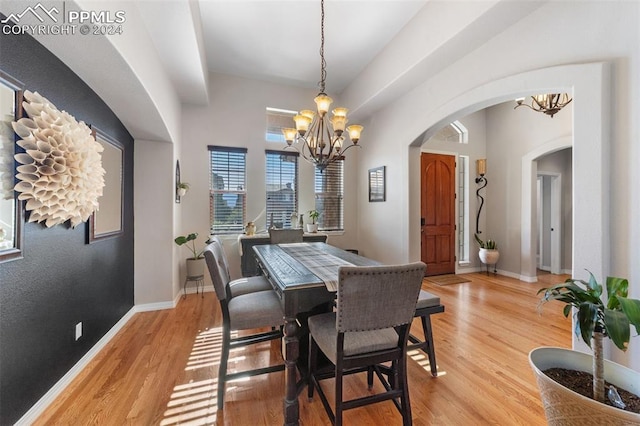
<point>195,267</point>
<point>312,227</point>
<point>489,257</point>
<point>563,406</point>
<point>182,191</point>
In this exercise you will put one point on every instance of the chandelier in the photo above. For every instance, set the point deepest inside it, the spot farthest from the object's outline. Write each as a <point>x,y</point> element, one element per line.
<point>548,103</point>
<point>321,139</point>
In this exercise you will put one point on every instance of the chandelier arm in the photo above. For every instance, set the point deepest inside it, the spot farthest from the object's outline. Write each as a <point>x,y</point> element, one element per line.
<point>330,140</point>
<point>527,105</point>
<point>347,148</point>
<point>302,151</point>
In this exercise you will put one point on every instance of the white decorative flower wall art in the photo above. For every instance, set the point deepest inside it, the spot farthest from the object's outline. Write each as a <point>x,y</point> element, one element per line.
<point>60,173</point>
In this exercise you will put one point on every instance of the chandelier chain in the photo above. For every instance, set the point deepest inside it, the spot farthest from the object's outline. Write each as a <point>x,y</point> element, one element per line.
<point>323,62</point>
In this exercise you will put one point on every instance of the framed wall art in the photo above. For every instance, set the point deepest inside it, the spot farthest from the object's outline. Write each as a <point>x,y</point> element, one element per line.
<point>107,221</point>
<point>377,184</point>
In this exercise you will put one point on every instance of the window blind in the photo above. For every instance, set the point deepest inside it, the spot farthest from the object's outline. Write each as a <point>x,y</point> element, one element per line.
<point>227,189</point>
<point>282,188</point>
<point>278,119</point>
<point>329,192</point>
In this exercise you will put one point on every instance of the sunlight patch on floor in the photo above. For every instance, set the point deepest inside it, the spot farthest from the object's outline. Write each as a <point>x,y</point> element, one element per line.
<point>423,361</point>
<point>195,403</point>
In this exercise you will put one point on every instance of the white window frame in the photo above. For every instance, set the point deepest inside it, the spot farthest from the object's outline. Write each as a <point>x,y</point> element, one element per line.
<point>228,177</point>
<point>323,193</point>
<point>281,183</point>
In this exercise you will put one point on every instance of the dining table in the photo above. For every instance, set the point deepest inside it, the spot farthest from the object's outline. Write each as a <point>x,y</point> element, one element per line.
<point>305,278</point>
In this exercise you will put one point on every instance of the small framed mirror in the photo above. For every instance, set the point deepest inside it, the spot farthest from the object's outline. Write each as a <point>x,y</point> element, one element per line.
<point>106,221</point>
<point>11,211</point>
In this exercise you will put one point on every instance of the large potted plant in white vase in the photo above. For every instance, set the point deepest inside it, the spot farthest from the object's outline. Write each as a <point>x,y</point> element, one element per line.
<point>616,402</point>
<point>195,263</point>
<point>488,253</point>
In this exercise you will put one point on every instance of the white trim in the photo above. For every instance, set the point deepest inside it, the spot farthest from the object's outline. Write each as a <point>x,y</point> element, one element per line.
<point>556,222</point>
<point>38,408</point>
<point>158,305</point>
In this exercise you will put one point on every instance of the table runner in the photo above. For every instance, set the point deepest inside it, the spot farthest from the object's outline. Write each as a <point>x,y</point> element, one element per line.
<point>317,261</point>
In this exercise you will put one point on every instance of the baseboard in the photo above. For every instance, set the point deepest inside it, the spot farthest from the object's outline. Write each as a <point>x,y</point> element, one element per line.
<point>38,408</point>
<point>525,278</point>
<point>157,306</point>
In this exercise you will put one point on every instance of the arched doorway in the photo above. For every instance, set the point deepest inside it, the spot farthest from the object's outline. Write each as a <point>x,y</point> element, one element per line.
<point>588,82</point>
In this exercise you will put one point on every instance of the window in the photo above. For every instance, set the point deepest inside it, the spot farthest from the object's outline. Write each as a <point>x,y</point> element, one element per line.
<point>227,189</point>
<point>454,132</point>
<point>278,119</point>
<point>463,208</point>
<point>329,190</point>
<point>282,188</point>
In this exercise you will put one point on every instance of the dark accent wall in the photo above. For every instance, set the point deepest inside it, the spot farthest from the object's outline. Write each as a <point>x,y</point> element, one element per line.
<point>61,280</point>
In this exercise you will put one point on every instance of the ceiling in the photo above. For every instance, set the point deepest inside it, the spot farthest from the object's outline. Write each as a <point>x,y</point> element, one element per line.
<point>276,40</point>
<point>168,48</point>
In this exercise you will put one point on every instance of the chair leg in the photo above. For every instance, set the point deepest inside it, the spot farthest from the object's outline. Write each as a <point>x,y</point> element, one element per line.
<point>404,399</point>
<point>313,359</point>
<point>370,377</point>
<point>338,409</point>
<point>428,339</point>
<point>222,371</point>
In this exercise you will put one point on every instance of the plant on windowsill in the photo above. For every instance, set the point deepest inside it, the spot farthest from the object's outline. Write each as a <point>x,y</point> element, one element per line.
<point>488,253</point>
<point>594,320</point>
<point>195,263</point>
<point>313,226</point>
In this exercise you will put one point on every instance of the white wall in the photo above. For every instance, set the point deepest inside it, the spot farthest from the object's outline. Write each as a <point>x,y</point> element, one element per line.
<point>236,116</point>
<point>155,253</point>
<point>526,58</point>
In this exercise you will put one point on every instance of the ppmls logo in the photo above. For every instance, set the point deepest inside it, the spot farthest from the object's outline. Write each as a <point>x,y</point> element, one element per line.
<point>38,11</point>
<point>57,20</point>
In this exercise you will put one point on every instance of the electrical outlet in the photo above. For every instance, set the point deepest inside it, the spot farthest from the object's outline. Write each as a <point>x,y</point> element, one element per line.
<point>78,330</point>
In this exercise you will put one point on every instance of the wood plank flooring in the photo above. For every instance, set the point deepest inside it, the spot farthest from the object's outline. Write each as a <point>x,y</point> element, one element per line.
<point>161,368</point>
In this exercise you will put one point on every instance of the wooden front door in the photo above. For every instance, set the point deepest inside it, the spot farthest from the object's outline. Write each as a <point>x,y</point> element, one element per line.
<point>437,204</point>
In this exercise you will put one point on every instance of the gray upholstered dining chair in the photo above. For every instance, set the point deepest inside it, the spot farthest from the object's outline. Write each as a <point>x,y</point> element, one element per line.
<point>243,285</point>
<point>375,307</point>
<point>256,310</point>
<point>283,236</point>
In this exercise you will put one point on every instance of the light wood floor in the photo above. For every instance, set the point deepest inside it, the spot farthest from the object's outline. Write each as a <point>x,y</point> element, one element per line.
<point>161,368</point>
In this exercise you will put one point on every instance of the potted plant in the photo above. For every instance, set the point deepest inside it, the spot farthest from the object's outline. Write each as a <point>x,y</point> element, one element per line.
<point>313,226</point>
<point>594,320</point>
<point>488,253</point>
<point>182,188</point>
<point>195,263</point>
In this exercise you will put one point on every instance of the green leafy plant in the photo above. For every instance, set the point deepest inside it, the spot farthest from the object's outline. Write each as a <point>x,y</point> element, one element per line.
<point>184,239</point>
<point>489,244</point>
<point>595,320</point>
<point>183,185</point>
<point>314,214</point>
